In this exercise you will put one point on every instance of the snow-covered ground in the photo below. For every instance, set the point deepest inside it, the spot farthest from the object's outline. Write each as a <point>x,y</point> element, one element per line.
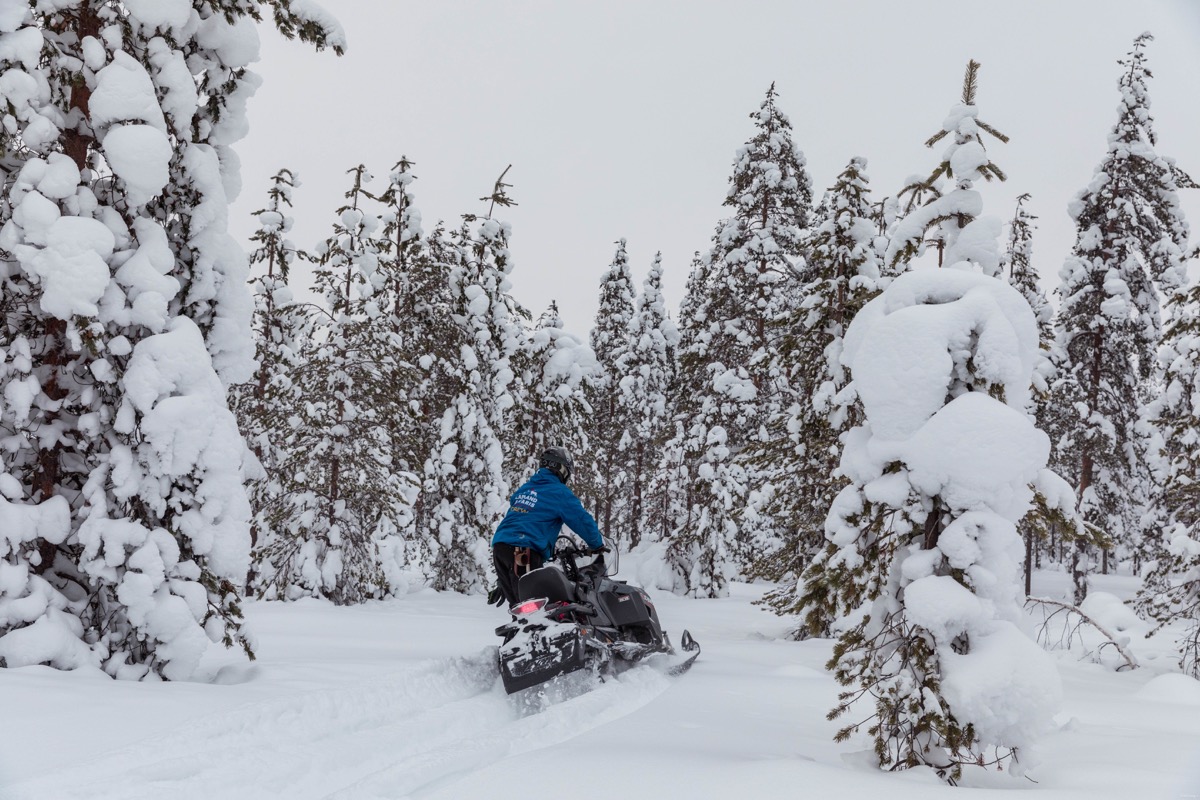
<point>400,699</point>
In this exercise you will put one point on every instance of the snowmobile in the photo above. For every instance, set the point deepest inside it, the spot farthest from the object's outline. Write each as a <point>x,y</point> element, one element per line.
<point>574,616</point>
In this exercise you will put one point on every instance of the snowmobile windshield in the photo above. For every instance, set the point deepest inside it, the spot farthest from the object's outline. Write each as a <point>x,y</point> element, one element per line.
<point>612,559</point>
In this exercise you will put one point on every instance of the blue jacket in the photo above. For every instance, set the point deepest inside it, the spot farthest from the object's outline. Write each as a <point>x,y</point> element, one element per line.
<point>538,509</point>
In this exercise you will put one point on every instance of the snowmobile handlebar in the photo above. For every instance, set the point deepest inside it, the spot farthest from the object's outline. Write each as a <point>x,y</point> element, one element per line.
<point>572,550</point>
<point>576,552</point>
<point>568,549</point>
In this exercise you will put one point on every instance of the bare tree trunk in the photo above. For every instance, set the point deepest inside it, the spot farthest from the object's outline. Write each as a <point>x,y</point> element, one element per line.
<point>1028,560</point>
<point>933,527</point>
<point>76,144</point>
<point>636,510</point>
<point>1086,465</point>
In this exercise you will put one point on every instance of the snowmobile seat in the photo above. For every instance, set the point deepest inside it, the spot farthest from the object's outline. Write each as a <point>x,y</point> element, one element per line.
<point>549,582</point>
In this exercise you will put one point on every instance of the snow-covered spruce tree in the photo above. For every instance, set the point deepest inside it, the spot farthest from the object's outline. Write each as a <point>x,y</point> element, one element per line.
<point>671,485</point>
<point>609,482</point>
<point>433,345</point>
<point>124,300</point>
<point>751,284</point>
<point>404,280</point>
<point>801,454</point>
<point>265,405</point>
<point>1018,259</point>
<point>551,367</point>
<point>463,481</point>
<point>413,295</point>
<point>343,499</point>
<point>940,471</point>
<point>645,387</point>
<point>1021,274</point>
<point>1131,238</point>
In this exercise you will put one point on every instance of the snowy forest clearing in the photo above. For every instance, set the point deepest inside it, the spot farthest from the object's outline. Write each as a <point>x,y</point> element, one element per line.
<point>870,403</point>
<point>399,699</point>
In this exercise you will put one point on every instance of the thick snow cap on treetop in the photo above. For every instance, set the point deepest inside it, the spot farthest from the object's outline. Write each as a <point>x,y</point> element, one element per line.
<point>900,347</point>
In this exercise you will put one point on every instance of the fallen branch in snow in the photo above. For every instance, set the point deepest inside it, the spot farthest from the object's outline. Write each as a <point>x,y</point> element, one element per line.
<point>1071,631</point>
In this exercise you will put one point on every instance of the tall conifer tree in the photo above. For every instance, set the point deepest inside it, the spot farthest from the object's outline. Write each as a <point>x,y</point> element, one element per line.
<point>265,405</point>
<point>464,486</point>
<point>750,283</point>
<point>942,362</point>
<point>1171,593</point>
<point>1130,243</point>
<point>126,316</point>
<point>610,480</point>
<point>344,500</point>
<point>415,302</point>
<point>799,460</point>
<point>1022,276</point>
<point>644,390</point>
<point>672,485</point>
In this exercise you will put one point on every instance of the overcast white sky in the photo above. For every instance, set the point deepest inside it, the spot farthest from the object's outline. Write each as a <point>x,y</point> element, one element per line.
<point>621,118</point>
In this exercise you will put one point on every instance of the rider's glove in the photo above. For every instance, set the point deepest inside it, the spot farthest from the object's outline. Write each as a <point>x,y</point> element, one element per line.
<point>495,597</point>
<point>599,550</point>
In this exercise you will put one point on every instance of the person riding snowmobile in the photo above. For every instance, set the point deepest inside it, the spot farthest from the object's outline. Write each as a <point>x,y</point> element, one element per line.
<point>525,538</point>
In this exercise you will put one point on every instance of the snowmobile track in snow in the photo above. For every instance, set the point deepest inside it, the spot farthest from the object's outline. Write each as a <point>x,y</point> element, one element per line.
<point>397,736</point>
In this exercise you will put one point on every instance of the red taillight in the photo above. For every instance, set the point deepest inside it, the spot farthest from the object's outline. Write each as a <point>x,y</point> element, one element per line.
<point>529,606</point>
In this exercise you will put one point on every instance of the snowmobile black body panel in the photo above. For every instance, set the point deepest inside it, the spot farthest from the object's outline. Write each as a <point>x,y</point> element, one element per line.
<point>589,621</point>
<point>533,657</point>
<point>625,606</point>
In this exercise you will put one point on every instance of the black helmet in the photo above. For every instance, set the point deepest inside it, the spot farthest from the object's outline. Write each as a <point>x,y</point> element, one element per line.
<point>558,461</point>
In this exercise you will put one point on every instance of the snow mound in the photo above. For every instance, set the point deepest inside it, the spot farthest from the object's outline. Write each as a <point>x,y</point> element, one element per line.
<point>1004,686</point>
<point>1171,688</point>
<point>1111,612</point>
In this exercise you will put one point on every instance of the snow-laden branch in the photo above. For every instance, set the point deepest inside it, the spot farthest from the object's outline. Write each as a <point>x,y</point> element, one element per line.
<point>1071,631</point>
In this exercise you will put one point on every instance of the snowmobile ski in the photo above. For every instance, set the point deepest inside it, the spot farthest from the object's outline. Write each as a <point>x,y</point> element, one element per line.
<point>688,645</point>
